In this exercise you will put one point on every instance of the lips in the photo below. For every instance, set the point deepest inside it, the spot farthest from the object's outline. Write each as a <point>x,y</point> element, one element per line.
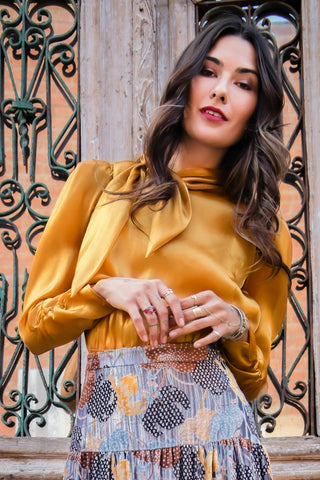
<point>212,113</point>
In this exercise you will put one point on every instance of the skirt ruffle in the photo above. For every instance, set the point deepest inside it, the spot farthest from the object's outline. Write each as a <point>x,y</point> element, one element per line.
<point>171,412</point>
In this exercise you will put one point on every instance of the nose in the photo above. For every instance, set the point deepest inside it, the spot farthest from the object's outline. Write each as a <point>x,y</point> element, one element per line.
<point>220,96</point>
<point>219,91</point>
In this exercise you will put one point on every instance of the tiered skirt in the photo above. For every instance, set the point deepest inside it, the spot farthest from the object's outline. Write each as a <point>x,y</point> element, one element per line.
<point>165,413</point>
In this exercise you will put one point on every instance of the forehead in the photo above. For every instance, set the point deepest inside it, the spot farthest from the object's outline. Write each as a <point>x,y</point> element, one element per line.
<point>234,50</point>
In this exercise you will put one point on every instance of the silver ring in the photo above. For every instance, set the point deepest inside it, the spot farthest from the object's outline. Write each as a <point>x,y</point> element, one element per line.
<point>195,300</point>
<point>154,325</point>
<point>165,293</point>
<point>216,332</point>
<point>197,312</point>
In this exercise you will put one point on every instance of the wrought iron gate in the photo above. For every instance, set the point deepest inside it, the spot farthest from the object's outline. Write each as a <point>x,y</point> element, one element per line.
<point>38,147</point>
<point>39,108</point>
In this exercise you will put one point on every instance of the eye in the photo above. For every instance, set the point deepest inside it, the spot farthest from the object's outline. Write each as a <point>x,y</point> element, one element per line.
<point>244,86</point>
<point>207,72</point>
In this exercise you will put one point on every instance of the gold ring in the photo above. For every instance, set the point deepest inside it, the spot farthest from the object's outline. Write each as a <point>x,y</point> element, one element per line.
<point>165,293</point>
<point>197,312</point>
<point>194,298</point>
<point>216,332</point>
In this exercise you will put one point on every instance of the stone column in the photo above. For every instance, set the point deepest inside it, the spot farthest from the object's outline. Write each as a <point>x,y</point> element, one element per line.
<point>311,75</point>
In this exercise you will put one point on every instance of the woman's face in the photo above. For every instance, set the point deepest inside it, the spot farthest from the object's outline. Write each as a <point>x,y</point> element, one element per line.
<point>223,96</point>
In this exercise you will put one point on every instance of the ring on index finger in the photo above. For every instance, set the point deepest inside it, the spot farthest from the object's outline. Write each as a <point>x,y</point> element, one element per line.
<point>165,293</point>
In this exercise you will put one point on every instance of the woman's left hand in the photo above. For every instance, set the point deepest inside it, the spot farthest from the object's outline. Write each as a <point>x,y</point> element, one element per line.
<point>205,309</point>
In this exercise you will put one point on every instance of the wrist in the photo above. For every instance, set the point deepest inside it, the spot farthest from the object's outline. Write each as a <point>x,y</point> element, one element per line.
<point>242,330</point>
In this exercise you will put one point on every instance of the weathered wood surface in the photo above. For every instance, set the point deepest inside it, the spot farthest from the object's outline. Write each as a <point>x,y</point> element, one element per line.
<point>44,458</point>
<point>310,11</point>
<point>32,458</point>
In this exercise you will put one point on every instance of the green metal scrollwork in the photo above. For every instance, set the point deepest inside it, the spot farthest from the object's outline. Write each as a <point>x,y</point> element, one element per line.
<point>38,63</point>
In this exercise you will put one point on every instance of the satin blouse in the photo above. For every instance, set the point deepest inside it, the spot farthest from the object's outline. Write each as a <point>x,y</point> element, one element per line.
<point>190,245</point>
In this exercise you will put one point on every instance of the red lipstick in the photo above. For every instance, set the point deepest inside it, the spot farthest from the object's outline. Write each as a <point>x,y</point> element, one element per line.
<point>213,114</point>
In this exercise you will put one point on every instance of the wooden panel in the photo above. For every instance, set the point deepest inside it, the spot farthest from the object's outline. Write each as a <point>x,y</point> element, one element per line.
<point>311,73</point>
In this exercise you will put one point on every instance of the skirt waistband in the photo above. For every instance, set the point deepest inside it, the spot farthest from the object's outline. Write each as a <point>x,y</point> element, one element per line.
<point>165,353</point>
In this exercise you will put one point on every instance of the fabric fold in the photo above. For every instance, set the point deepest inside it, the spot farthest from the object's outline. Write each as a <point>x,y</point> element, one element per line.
<point>110,216</point>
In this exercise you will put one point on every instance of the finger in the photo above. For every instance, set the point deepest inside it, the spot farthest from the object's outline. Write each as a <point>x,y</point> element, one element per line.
<point>195,313</point>
<point>152,322</point>
<point>212,337</point>
<point>138,323</point>
<point>190,327</point>
<point>191,301</point>
<point>163,317</point>
<point>174,303</point>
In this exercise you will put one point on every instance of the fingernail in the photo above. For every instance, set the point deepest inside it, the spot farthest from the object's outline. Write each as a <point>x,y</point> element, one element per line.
<point>181,321</point>
<point>173,333</point>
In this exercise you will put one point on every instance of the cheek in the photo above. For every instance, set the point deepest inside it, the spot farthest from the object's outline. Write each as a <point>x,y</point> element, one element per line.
<point>247,110</point>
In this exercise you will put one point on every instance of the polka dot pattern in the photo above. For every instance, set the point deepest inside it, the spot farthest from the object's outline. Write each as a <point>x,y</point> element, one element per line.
<point>177,357</point>
<point>76,438</point>
<point>86,459</point>
<point>208,374</point>
<point>101,468</point>
<point>189,466</point>
<point>87,389</point>
<point>164,412</point>
<point>103,400</point>
<point>163,438</point>
<point>165,457</point>
<point>261,461</point>
<point>244,472</point>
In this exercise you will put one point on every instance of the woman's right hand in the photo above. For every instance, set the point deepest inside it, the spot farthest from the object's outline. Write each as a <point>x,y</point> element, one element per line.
<point>144,301</point>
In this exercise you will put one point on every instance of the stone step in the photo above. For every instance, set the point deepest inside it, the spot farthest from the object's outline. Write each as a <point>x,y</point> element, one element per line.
<point>293,458</point>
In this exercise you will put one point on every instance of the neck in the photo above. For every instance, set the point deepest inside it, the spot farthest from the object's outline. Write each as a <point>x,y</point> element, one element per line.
<point>191,155</point>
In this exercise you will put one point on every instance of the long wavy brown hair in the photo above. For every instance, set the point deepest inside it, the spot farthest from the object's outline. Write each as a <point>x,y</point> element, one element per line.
<point>253,167</point>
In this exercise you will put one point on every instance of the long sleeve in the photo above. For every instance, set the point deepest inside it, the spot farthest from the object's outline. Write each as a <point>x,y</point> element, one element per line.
<point>264,301</point>
<point>51,315</point>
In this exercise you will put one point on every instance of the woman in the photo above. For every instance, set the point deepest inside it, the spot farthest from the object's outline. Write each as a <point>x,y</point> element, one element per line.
<point>176,268</point>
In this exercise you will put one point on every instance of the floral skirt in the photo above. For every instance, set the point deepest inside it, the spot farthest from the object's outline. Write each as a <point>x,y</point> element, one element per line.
<point>171,412</point>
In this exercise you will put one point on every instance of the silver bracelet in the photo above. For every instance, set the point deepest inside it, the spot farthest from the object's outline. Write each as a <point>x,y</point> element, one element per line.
<point>242,327</point>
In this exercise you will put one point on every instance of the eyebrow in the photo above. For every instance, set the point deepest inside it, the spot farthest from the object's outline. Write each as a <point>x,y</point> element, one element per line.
<point>238,70</point>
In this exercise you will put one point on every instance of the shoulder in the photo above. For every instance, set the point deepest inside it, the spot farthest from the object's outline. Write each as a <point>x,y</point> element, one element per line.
<point>98,173</point>
<point>89,167</point>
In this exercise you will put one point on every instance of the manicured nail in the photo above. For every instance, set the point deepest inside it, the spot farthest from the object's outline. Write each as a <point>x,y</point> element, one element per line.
<point>181,322</point>
<point>173,333</point>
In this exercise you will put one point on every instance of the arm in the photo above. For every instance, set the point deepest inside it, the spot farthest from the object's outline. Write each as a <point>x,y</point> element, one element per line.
<point>263,300</point>
<point>265,307</point>
<point>51,315</point>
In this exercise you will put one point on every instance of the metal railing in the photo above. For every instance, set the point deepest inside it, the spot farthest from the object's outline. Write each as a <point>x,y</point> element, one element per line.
<point>39,108</point>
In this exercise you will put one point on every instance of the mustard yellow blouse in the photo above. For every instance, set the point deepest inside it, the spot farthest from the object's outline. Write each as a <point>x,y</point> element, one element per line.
<point>190,244</point>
